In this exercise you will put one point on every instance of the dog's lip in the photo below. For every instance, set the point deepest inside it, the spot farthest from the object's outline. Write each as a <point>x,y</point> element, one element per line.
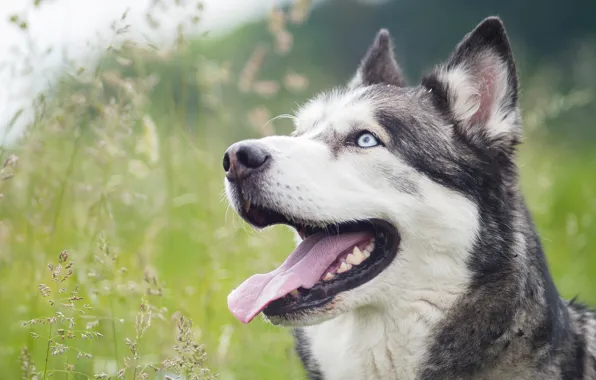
<point>252,212</point>
<point>273,310</point>
<point>256,211</point>
<point>260,216</point>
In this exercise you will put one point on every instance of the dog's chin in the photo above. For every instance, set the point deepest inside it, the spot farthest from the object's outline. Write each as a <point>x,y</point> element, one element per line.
<point>323,300</point>
<point>310,317</point>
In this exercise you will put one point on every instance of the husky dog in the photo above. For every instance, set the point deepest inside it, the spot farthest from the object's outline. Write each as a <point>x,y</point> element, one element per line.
<point>417,256</point>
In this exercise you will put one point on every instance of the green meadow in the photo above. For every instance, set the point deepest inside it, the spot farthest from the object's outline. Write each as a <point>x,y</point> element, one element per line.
<point>115,233</point>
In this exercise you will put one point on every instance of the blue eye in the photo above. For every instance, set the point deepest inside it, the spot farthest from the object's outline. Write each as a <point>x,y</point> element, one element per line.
<point>367,140</point>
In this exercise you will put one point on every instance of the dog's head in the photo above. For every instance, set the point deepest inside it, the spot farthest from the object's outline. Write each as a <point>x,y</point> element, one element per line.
<point>384,184</point>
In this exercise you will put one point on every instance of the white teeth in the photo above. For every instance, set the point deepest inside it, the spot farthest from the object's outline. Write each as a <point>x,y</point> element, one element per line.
<point>295,293</point>
<point>356,257</point>
<point>358,254</point>
<point>344,267</point>
<point>351,259</point>
<point>368,249</point>
<point>246,205</point>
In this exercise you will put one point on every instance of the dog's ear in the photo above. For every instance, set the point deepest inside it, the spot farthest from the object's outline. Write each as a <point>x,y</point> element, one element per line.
<point>478,88</point>
<point>378,65</point>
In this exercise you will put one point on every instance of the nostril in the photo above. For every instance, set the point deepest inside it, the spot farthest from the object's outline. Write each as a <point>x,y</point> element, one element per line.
<point>251,156</point>
<point>243,157</point>
<point>226,162</point>
<point>265,158</point>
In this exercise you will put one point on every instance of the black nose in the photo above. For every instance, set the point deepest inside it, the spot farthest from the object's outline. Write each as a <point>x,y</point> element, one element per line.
<point>244,158</point>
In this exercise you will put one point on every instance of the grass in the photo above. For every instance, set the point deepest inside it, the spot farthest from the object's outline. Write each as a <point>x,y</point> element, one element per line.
<point>149,225</point>
<point>115,234</point>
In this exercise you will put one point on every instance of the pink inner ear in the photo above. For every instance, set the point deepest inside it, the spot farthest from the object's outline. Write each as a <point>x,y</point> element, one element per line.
<point>486,79</point>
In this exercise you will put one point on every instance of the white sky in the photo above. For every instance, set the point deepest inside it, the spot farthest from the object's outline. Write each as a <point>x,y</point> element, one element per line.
<point>70,25</point>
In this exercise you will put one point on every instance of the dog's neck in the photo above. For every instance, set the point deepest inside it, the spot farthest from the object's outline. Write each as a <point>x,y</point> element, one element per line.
<point>500,318</point>
<point>368,343</point>
<point>510,317</point>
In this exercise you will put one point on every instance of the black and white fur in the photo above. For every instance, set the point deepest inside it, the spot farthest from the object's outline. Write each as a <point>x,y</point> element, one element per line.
<point>469,295</point>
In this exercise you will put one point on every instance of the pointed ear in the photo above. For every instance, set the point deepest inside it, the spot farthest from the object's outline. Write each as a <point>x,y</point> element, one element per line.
<point>478,88</point>
<point>378,65</point>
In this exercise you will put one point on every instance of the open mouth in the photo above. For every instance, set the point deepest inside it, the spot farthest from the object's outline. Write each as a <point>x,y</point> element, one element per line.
<point>332,258</point>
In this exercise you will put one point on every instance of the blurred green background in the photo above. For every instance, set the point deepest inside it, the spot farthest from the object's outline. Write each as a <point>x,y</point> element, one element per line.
<point>120,170</point>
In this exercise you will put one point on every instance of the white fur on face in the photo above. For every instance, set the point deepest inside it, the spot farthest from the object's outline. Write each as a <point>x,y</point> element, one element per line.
<point>399,307</point>
<point>438,226</point>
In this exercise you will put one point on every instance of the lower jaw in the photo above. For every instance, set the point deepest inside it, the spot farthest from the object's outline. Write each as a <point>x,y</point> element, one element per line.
<point>295,320</point>
<point>275,311</point>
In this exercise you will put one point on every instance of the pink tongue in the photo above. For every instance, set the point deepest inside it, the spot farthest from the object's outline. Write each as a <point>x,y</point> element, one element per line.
<point>303,268</point>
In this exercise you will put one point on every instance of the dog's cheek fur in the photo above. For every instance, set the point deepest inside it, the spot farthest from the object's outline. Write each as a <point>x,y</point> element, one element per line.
<point>438,224</point>
<point>376,183</point>
<point>424,281</point>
